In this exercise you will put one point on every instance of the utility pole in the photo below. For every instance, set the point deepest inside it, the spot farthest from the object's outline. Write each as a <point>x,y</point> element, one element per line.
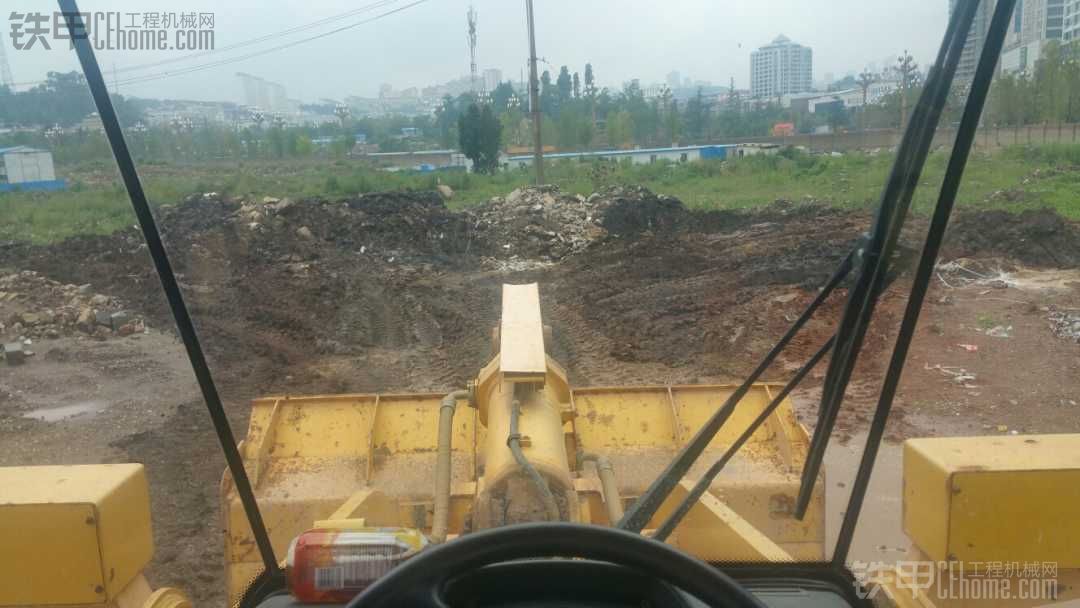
<point>471,18</point>
<point>865,79</point>
<point>534,98</point>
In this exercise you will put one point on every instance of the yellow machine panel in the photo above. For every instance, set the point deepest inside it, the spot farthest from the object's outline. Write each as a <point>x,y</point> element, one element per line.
<point>337,457</point>
<point>983,499</point>
<point>308,454</point>
<point>72,534</point>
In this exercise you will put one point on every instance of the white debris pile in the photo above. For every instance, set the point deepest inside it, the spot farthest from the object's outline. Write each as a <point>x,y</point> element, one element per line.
<point>1065,323</point>
<point>962,273</point>
<point>955,374</point>
<point>540,223</point>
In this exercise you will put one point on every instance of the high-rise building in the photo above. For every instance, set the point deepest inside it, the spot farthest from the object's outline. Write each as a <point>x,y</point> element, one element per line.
<point>492,78</point>
<point>674,79</point>
<point>1070,22</point>
<point>781,67</point>
<point>976,37</point>
<point>1035,23</point>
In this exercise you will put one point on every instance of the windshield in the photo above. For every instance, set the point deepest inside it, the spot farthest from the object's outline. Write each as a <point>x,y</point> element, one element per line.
<point>345,227</point>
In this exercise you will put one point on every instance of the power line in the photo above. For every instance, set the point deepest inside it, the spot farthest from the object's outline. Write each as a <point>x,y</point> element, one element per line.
<point>263,38</point>
<point>206,66</point>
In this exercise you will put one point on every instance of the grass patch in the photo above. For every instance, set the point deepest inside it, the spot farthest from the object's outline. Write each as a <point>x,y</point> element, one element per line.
<point>1014,178</point>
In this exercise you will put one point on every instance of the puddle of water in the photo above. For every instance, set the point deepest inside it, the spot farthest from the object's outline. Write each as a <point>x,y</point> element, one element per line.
<point>1035,280</point>
<point>62,412</point>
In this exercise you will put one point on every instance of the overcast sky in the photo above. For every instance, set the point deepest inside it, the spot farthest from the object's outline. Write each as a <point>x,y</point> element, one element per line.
<point>426,44</point>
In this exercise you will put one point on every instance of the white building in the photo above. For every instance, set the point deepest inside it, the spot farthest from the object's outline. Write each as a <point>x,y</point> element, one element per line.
<point>1034,24</point>
<point>976,37</point>
<point>264,94</point>
<point>853,98</point>
<point>779,68</point>
<point>1070,24</point>
<point>639,156</point>
<point>492,78</point>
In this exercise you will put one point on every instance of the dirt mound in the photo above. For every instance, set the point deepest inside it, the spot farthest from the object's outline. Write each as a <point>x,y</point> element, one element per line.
<point>398,279</point>
<point>389,224</point>
<point>630,211</point>
<point>1039,238</point>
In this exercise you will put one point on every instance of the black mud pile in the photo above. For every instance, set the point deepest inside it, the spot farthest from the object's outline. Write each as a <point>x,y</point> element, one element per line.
<point>395,291</point>
<point>1039,238</point>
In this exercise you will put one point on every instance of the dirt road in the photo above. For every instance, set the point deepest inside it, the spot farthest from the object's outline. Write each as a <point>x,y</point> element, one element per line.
<point>395,292</point>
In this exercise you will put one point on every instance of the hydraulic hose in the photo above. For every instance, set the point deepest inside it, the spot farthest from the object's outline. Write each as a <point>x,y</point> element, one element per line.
<point>606,473</point>
<point>441,517</point>
<point>514,443</point>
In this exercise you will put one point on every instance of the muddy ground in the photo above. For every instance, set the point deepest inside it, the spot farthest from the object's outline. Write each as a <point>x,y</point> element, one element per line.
<point>395,292</point>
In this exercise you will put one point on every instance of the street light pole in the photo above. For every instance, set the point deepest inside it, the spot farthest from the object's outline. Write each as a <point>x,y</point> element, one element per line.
<point>534,98</point>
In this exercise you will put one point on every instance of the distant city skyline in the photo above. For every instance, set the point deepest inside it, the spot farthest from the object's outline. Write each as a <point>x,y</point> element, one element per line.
<point>423,45</point>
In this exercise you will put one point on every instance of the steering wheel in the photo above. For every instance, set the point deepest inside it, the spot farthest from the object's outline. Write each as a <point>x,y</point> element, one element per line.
<point>421,580</point>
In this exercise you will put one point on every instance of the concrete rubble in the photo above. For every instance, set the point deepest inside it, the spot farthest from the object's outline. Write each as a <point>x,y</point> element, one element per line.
<point>14,353</point>
<point>1065,324</point>
<point>544,224</point>
<point>34,307</point>
<point>541,223</point>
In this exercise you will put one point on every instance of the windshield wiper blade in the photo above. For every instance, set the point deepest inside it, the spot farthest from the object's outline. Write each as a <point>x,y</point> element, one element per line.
<point>668,526</point>
<point>646,505</point>
<point>965,137</point>
<point>895,201</point>
<point>184,325</point>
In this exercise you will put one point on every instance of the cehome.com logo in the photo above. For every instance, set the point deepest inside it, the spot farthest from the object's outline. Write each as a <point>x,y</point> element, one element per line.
<point>113,30</point>
<point>969,581</point>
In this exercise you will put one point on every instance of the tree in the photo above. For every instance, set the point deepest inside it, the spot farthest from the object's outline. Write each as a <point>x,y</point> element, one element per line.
<point>864,81</point>
<point>696,117</point>
<point>564,85</point>
<point>479,133</point>
<point>548,98</point>
<point>620,129</point>
<point>500,97</point>
<point>590,92</point>
<point>672,120</point>
<point>734,100</point>
<point>908,71</point>
<point>446,118</point>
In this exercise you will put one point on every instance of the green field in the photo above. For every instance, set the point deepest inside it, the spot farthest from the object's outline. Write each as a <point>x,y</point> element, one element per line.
<point>1012,178</point>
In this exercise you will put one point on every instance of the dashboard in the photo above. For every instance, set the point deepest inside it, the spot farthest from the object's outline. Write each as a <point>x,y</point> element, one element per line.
<point>566,583</point>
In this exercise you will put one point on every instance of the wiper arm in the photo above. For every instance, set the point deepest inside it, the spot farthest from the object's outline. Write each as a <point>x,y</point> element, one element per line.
<point>965,136</point>
<point>668,526</point>
<point>703,484</point>
<point>184,325</point>
<point>895,201</point>
<point>646,505</point>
